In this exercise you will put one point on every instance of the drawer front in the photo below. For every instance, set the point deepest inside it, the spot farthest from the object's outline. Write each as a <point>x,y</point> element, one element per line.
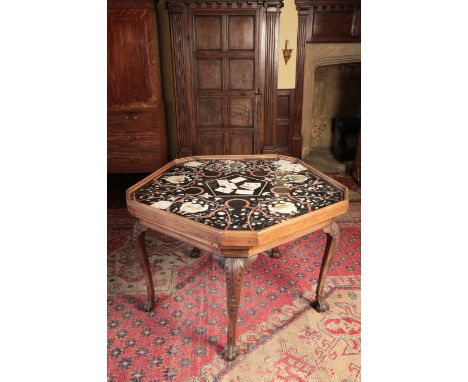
<point>118,121</point>
<point>133,152</point>
<point>134,141</point>
<point>122,162</point>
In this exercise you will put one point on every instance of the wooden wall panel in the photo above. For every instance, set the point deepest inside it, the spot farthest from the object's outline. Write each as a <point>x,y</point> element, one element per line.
<point>239,143</point>
<point>210,143</point>
<point>332,24</point>
<point>241,32</point>
<point>208,32</point>
<point>241,74</point>
<point>335,24</point>
<point>210,111</point>
<point>209,75</point>
<point>331,20</point>
<point>284,104</point>
<point>241,111</point>
<point>284,121</point>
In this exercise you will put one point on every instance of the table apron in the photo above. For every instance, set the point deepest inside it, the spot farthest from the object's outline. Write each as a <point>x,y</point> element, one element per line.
<point>231,251</point>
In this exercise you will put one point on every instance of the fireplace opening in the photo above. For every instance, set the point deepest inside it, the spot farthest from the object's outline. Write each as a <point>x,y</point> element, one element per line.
<point>336,118</point>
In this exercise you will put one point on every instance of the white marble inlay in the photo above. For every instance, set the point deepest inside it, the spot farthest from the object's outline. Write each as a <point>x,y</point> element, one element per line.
<point>190,208</point>
<point>283,208</point>
<point>282,162</point>
<point>162,204</point>
<point>175,179</point>
<point>226,183</point>
<point>244,192</point>
<point>224,190</point>
<point>296,178</point>
<point>235,165</point>
<point>238,179</point>
<point>250,186</point>
<point>193,164</point>
<point>286,165</point>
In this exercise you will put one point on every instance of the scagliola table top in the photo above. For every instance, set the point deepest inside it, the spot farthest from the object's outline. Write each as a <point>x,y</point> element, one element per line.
<point>236,207</point>
<point>238,194</point>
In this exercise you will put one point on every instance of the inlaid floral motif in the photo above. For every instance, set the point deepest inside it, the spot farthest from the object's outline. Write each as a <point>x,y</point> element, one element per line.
<point>249,194</point>
<point>176,179</point>
<point>283,208</point>
<point>161,204</point>
<point>189,207</point>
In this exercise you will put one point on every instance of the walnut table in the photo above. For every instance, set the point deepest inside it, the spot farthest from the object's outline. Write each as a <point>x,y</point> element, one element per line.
<point>236,207</point>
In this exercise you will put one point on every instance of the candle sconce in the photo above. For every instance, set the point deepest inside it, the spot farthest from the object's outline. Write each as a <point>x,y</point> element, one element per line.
<point>287,51</point>
<point>287,55</point>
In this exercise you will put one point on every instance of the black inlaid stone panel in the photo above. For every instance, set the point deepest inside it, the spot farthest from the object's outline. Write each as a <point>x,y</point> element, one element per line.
<point>248,194</point>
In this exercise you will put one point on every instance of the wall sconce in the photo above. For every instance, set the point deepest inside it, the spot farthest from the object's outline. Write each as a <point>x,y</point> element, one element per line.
<point>287,51</point>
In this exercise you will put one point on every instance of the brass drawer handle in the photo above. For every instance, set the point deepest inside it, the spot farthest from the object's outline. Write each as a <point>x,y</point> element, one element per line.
<point>134,159</point>
<point>132,138</point>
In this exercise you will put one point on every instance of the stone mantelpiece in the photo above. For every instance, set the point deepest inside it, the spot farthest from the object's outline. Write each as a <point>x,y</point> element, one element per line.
<point>317,55</point>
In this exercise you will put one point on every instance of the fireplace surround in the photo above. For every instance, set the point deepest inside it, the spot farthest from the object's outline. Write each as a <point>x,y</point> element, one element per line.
<point>329,32</point>
<point>318,55</point>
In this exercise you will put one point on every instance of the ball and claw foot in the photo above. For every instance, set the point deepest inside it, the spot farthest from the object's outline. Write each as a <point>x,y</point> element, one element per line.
<point>320,306</point>
<point>230,352</point>
<point>147,306</point>
<point>195,253</point>
<point>274,253</point>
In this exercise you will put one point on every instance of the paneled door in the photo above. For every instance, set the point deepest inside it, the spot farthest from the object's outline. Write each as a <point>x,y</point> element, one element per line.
<point>226,82</point>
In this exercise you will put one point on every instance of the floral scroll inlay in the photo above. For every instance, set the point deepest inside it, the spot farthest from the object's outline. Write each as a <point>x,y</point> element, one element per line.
<point>249,194</point>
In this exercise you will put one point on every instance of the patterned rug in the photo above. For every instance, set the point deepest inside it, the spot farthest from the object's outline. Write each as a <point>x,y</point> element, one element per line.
<point>281,338</point>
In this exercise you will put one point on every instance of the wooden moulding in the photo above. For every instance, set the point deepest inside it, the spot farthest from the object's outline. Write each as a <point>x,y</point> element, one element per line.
<point>132,4</point>
<point>234,243</point>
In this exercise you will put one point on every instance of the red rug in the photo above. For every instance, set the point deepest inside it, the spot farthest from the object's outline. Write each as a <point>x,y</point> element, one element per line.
<point>180,340</point>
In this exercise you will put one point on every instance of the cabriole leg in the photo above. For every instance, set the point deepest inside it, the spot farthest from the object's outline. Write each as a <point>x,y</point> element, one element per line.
<point>333,235</point>
<point>139,234</point>
<point>195,253</point>
<point>274,253</point>
<point>234,269</point>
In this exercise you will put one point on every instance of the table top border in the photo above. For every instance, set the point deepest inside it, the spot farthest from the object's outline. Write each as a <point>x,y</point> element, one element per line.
<point>235,243</point>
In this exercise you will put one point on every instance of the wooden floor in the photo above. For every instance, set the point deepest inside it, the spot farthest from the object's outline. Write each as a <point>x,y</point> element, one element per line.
<point>116,186</point>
